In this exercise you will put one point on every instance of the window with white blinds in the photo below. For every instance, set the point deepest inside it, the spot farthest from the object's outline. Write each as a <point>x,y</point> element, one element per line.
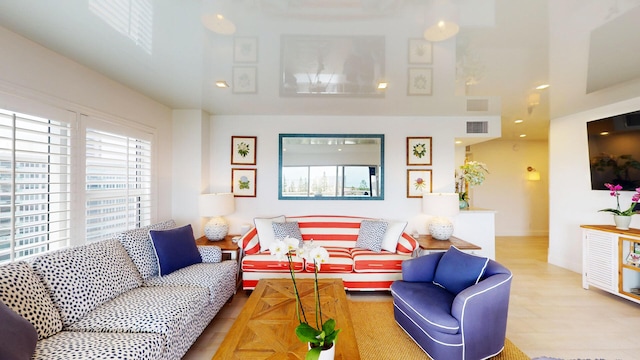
<point>35,185</point>
<point>118,183</point>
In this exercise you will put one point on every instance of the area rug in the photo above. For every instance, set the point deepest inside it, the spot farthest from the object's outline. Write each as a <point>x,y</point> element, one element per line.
<point>373,321</point>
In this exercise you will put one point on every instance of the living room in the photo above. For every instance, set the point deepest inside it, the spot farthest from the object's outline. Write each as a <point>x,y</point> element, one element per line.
<point>193,157</point>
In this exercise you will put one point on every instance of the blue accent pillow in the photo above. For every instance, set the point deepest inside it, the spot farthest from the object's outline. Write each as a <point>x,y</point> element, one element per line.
<point>18,337</point>
<point>371,234</point>
<point>458,270</point>
<point>175,249</point>
<point>291,229</point>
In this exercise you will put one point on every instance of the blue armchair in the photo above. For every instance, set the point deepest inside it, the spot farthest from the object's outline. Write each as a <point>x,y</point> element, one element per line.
<point>454,305</point>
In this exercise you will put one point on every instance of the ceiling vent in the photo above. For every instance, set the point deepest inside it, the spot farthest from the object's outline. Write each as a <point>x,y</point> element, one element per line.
<point>477,127</point>
<point>477,105</point>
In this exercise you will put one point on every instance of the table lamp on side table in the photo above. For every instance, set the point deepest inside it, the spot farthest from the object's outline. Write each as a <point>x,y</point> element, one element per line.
<point>442,206</point>
<point>216,206</point>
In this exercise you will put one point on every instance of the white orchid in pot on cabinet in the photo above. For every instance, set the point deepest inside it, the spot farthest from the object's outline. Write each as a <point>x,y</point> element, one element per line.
<point>622,218</point>
<point>322,337</point>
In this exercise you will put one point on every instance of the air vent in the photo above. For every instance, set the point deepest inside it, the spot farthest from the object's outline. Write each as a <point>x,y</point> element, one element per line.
<point>477,105</point>
<point>477,127</point>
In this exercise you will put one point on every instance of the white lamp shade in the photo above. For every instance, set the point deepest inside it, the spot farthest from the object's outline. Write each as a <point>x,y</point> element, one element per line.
<point>219,204</point>
<point>440,204</point>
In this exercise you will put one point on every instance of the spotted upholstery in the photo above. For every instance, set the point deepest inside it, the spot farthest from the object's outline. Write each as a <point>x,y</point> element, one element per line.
<point>359,268</point>
<point>92,302</point>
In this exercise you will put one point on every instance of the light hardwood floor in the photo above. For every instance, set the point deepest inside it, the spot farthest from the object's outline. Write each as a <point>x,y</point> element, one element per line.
<point>550,314</point>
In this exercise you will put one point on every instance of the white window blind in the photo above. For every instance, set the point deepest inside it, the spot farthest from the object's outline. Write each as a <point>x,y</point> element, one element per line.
<point>118,183</point>
<point>35,185</point>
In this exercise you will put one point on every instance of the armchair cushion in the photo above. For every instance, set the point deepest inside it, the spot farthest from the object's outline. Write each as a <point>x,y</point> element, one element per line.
<point>175,248</point>
<point>458,270</point>
<point>18,337</point>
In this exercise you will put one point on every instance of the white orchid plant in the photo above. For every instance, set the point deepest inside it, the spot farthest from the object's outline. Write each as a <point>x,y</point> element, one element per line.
<point>324,334</point>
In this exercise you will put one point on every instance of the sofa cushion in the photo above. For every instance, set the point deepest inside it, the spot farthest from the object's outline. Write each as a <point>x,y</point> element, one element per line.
<point>17,336</point>
<point>367,261</point>
<point>100,346</point>
<point>290,229</point>
<point>265,230</point>
<point>392,235</point>
<point>371,235</point>
<point>329,231</point>
<point>339,261</point>
<point>80,279</point>
<point>140,249</point>
<point>218,278</point>
<point>23,292</point>
<point>175,249</point>
<point>458,270</point>
<point>265,262</point>
<point>428,305</point>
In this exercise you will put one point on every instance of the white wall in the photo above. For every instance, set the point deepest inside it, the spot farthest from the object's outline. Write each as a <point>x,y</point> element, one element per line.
<point>395,205</point>
<point>39,75</point>
<point>571,200</point>
<point>522,206</point>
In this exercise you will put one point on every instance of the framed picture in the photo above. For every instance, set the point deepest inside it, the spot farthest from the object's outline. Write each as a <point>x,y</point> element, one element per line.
<point>419,150</point>
<point>243,150</point>
<point>418,181</point>
<point>245,79</point>
<point>420,51</point>
<point>419,81</point>
<point>243,182</point>
<point>245,49</point>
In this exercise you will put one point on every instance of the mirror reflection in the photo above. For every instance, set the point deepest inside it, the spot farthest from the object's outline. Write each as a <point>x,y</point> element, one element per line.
<point>331,167</point>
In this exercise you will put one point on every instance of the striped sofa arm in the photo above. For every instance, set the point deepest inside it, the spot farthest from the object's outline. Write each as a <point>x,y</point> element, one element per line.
<point>249,242</point>
<point>406,244</point>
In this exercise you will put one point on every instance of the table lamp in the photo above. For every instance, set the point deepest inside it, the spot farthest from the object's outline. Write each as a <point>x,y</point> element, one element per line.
<point>216,206</point>
<point>441,206</point>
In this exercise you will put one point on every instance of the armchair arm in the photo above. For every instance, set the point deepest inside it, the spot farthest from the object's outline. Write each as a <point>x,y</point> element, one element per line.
<point>420,269</point>
<point>482,311</point>
<point>210,254</point>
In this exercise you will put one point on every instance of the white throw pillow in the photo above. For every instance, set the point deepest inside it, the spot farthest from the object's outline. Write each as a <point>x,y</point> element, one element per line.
<point>265,230</point>
<point>392,235</point>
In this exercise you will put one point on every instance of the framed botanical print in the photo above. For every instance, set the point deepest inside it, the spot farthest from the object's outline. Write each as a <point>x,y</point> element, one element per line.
<point>420,51</point>
<point>243,182</point>
<point>243,150</point>
<point>419,150</point>
<point>418,181</point>
<point>245,79</point>
<point>419,81</point>
<point>245,49</point>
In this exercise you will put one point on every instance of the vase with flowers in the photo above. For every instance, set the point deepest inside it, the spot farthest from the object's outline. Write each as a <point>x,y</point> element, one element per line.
<point>622,218</point>
<point>321,337</point>
<point>472,173</point>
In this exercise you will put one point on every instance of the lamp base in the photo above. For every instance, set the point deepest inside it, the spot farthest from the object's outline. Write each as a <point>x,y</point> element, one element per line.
<point>440,228</point>
<point>216,229</point>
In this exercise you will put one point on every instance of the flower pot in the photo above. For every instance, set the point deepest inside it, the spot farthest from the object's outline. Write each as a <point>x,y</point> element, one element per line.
<point>622,222</point>
<point>327,354</point>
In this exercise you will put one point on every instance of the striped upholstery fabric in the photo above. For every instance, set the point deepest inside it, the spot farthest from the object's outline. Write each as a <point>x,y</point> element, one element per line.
<point>360,269</point>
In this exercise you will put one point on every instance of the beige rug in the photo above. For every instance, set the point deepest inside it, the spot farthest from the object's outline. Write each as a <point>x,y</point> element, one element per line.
<point>373,321</point>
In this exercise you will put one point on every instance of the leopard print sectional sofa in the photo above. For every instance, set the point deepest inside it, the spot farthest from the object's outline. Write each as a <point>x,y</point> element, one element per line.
<point>106,301</point>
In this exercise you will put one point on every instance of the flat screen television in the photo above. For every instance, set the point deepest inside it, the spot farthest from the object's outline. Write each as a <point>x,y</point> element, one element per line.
<point>614,151</point>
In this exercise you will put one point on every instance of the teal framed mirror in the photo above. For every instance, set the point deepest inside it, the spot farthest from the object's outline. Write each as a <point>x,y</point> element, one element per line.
<point>331,167</point>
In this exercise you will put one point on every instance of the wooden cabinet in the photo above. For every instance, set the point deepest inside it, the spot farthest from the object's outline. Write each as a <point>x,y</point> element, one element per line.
<point>609,260</point>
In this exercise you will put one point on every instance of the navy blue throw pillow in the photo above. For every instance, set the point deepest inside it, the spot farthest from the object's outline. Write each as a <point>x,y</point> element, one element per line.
<point>458,270</point>
<point>18,337</point>
<point>175,249</point>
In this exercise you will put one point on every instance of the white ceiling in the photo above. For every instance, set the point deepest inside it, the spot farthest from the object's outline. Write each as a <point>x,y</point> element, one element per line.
<point>175,59</point>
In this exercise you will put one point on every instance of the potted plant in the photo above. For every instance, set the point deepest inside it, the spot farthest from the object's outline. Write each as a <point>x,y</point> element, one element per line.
<point>622,218</point>
<point>321,337</point>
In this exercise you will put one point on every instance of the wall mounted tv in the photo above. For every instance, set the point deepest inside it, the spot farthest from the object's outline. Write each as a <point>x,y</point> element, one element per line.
<point>614,151</point>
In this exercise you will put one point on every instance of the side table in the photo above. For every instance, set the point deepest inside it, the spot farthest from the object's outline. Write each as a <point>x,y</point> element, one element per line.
<point>429,245</point>
<point>230,250</point>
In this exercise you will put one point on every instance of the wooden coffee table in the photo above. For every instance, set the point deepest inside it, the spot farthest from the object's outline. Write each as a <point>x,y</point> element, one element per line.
<point>265,328</point>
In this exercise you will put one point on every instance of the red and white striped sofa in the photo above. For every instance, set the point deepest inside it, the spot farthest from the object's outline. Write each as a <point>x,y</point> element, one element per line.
<point>360,269</point>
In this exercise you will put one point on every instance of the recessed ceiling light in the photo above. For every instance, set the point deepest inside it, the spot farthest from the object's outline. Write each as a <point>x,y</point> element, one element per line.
<point>542,87</point>
<point>519,121</point>
<point>222,84</point>
<point>458,142</point>
<point>523,135</point>
<point>382,85</point>
<point>604,133</point>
